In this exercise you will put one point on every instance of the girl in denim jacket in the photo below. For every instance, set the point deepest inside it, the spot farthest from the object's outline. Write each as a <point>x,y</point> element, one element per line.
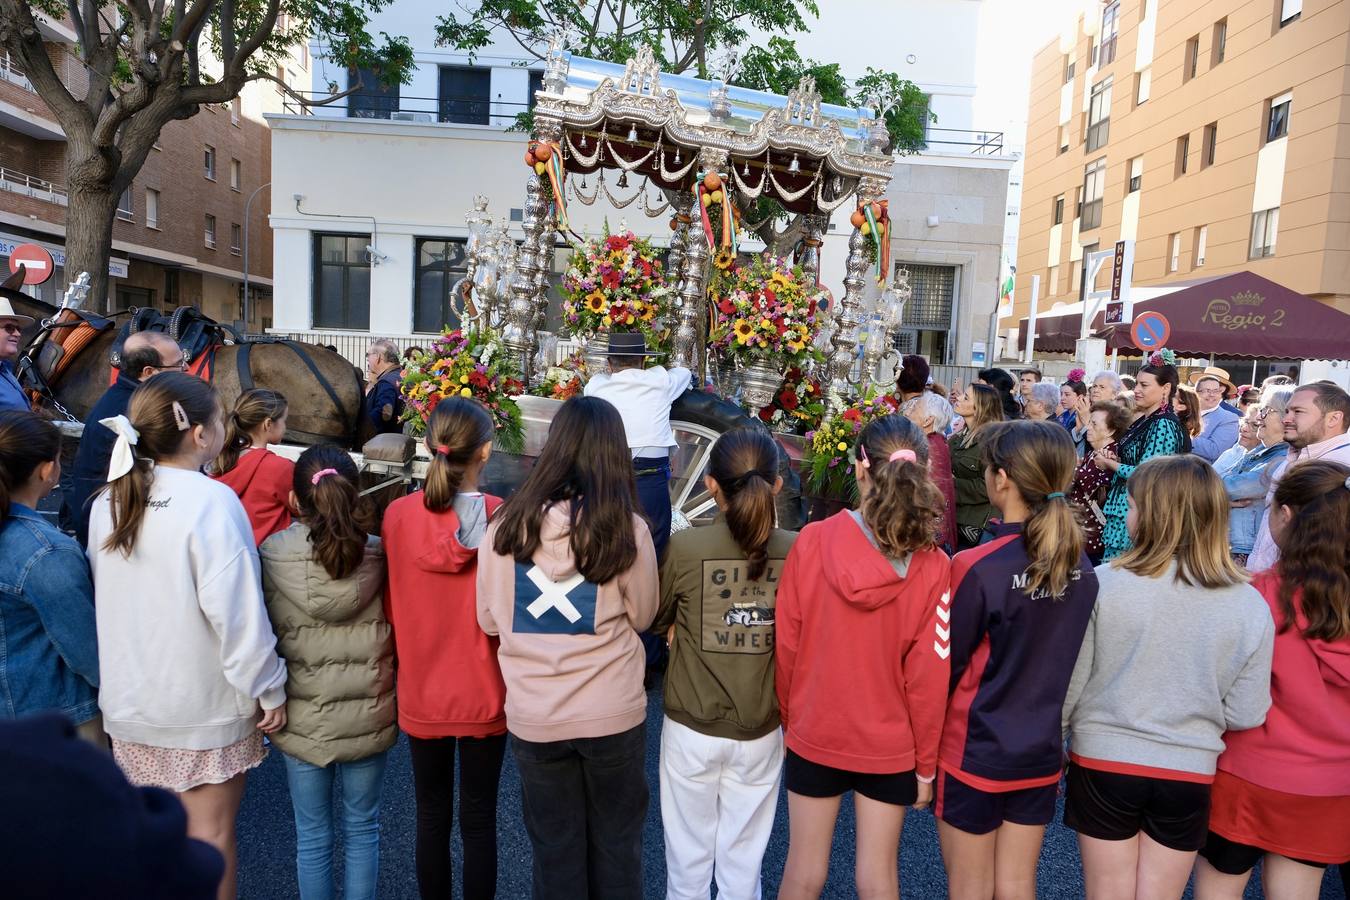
<point>48,649</point>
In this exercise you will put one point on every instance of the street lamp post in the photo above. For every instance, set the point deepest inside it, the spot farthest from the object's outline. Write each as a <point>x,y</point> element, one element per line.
<point>247,204</point>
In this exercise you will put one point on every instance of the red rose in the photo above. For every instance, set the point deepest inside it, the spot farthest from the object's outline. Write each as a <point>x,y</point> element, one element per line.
<point>727,307</point>
<point>788,400</point>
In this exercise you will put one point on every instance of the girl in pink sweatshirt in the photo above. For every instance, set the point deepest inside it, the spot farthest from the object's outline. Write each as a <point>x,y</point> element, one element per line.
<point>567,580</point>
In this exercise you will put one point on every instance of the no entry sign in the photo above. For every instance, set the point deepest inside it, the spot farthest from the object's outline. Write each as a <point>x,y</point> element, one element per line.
<point>1150,331</point>
<point>37,263</point>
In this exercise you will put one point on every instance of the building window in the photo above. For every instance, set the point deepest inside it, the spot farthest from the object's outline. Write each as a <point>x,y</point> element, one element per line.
<point>1174,257</point>
<point>1094,185</point>
<point>236,173</point>
<point>211,232</point>
<point>1136,179</point>
<point>1109,26</point>
<point>236,106</point>
<point>1059,210</point>
<point>536,85</point>
<point>1099,116</point>
<point>1064,139</point>
<point>1143,80</point>
<point>1078,202</point>
<point>1201,238</point>
<point>1220,42</point>
<point>928,314</point>
<point>209,162</point>
<point>151,208</point>
<point>464,95</point>
<point>1054,281</point>
<point>1289,11</point>
<point>236,237</point>
<point>304,56</point>
<point>1207,151</point>
<point>125,211</point>
<point>1277,119</point>
<point>440,263</point>
<point>372,100</point>
<point>171,290</point>
<point>1264,226</point>
<point>1084,286</point>
<point>1183,153</point>
<point>1191,64</point>
<point>1069,65</point>
<point>341,281</point>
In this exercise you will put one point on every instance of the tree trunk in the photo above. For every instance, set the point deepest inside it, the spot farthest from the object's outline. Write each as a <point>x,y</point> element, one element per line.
<point>89,225</point>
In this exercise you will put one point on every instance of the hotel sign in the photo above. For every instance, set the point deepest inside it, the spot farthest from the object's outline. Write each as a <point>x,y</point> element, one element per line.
<point>1244,311</point>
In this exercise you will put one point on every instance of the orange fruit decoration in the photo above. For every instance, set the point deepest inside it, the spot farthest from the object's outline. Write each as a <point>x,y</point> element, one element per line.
<point>712,181</point>
<point>542,152</point>
<point>857,219</point>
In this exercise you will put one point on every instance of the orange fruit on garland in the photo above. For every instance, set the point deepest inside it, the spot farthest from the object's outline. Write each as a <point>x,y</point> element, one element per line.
<point>712,181</point>
<point>542,152</point>
<point>857,219</point>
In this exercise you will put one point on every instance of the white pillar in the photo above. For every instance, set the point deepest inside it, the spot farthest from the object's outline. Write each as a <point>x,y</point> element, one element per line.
<point>1091,354</point>
<point>1031,320</point>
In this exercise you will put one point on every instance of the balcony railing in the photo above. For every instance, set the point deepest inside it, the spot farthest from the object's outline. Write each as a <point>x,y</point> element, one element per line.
<point>429,110</point>
<point>963,140</point>
<point>11,73</point>
<point>32,186</point>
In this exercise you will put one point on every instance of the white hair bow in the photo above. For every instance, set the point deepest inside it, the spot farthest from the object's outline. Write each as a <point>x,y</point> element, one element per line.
<point>123,456</point>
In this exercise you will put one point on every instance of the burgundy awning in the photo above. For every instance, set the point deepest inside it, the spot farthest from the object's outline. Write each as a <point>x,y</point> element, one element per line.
<point>1234,315</point>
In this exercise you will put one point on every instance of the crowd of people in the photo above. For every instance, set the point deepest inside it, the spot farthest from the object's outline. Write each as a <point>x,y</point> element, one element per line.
<point>934,647</point>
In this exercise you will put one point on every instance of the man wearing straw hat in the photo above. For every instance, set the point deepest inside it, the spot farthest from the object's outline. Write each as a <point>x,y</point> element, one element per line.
<point>11,324</point>
<point>1219,421</point>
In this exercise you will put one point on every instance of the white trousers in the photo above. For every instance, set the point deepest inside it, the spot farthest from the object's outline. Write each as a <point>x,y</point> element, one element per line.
<point>718,798</point>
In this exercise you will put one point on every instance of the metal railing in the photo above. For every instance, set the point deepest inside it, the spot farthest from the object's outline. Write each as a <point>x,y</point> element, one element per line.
<point>352,345</point>
<point>32,186</point>
<point>398,108</point>
<point>14,75</point>
<point>964,140</point>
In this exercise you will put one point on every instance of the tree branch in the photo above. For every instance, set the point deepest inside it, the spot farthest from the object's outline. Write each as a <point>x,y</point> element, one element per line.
<point>24,40</point>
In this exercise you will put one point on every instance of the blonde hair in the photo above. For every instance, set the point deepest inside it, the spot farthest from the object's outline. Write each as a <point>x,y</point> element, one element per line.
<point>1039,459</point>
<point>1181,517</point>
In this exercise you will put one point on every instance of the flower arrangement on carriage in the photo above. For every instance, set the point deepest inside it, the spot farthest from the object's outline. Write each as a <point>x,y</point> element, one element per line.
<point>763,321</point>
<point>616,282</point>
<point>468,363</point>
<point>799,405</point>
<point>565,380</point>
<point>827,465</point>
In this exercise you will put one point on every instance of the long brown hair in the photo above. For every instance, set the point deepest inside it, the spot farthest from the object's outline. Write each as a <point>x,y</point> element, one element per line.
<point>251,410</point>
<point>904,506</point>
<point>744,463</point>
<point>153,416</point>
<point>586,465</point>
<point>1181,517</point>
<point>1190,419</point>
<point>26,442</point>
<point>456,432</point>
<point>326,484</point>
<point>988,409</point>
<point>1315,548</point>
<point>1039,459</point>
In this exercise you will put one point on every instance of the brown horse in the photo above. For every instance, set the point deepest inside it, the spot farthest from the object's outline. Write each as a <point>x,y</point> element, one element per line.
<point>313,418</point>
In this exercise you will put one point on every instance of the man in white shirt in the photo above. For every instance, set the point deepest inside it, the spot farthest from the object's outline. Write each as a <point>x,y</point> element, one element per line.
<point>1315,424</point>
<point>643,397</point>
<point>1219,424</point>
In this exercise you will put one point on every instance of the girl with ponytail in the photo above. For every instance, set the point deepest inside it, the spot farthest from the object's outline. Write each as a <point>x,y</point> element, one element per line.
<point>324,582</point>
<point>860,677</point>
<point>1020,605</point>
<point>50,658</point>
<point>260,478</point>
<point>451,697</point>
<point>186,651</point>
<point>720,742</point>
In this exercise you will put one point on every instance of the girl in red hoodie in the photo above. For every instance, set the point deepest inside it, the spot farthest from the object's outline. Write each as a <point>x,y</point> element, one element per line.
<point>861,663</point>
<point>450,690</point>
<point>260,478</point>
<point>1282,790</point>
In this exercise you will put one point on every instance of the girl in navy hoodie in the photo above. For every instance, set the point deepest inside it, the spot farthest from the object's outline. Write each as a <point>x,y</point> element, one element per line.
<point>861,663</point>
<point>1020,606</point>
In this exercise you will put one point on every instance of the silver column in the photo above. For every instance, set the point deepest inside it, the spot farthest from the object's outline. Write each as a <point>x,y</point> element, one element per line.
<point>519,331</point>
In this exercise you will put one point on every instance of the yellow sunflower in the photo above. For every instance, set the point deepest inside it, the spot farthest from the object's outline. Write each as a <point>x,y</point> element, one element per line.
<point>778,279</point>
<point>649,313</point>
<point>744,331</point>
<point>595,302</point>
<point>724,258</point>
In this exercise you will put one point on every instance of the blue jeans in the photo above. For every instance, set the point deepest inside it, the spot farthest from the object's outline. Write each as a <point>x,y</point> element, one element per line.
<point>312,796</point>
<point>653,488</point>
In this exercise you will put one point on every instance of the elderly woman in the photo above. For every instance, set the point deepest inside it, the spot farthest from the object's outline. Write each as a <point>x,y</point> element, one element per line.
<point>1248,480</point>
<point>1042,401</point>
<point>1106,385</point>
<point>1107,421</point>
<point>979,405</point>
<point>933,414</point>
<point>1249,438</point>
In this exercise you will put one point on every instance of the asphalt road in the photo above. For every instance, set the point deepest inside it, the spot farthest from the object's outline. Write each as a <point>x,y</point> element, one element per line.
<point>267,841</point>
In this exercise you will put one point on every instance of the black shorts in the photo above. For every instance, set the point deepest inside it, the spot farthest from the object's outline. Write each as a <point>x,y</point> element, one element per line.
<point>811,779</point>
<point>975,811</point>
<point>1115,807</point>
<point>1232,858</point>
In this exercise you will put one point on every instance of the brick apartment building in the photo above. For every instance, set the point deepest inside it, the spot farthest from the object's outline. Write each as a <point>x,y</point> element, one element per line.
<point>1212,132</point>
<point>179,235</point>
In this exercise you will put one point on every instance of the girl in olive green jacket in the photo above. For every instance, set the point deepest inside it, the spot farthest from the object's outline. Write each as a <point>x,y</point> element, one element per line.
<point>323,578</point>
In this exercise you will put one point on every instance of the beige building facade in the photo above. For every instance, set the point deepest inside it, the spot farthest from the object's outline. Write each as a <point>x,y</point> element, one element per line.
<point>1214,133</point>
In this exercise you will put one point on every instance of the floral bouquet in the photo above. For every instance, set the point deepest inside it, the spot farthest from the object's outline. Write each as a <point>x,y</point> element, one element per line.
<point>466,364</point>
<point>827,462</point>
<point>565,381</point>
<point>798,406</point>
<point>765,309</point>
<point>616,283</point>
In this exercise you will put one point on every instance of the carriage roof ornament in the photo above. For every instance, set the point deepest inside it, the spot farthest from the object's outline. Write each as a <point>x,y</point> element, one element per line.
<point>557,60</point>
<point>76,292</point>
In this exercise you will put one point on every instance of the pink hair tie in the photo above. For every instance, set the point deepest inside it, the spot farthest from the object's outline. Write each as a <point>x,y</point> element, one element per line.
<point>906,455</point>
<point>321,475</point>
<point>442,449</point>
<point>862,457</point>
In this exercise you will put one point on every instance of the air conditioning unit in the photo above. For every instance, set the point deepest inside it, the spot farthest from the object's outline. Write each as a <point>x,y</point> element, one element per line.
<point>401,116</point>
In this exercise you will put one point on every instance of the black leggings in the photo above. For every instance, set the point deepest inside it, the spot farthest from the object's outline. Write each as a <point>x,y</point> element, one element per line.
<point>480,769</point>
